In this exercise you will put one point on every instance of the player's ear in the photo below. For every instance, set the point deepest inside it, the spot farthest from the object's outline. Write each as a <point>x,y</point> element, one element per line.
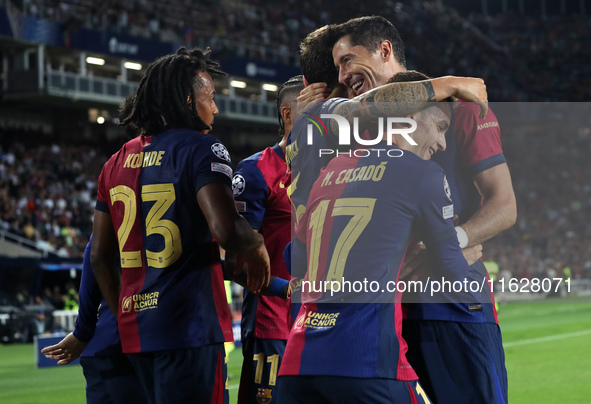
<point>385,49</point>
<point>286,114</point>
<point>306,84</point>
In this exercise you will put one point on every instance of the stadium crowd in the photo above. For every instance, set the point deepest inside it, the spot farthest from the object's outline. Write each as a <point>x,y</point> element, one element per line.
<point>549,172</point>
<point>47,192</point>
<point>522,58</point>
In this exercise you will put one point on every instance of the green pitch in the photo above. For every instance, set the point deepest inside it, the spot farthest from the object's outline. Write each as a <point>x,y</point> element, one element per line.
<point>546,345</point>
<point>547,350</point>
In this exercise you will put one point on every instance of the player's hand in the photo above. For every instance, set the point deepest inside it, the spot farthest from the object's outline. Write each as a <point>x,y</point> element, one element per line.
<point>473,254</point>
<point>258,268</point>
<point>316,92</point>
<point>474,90</point>
<point>414,264</point>
<point>67,350</point>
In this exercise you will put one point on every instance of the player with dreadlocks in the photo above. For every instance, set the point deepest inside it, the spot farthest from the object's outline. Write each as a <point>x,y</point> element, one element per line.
<point>162,200</point>
<point>164,99</point>
<point>260,193</point>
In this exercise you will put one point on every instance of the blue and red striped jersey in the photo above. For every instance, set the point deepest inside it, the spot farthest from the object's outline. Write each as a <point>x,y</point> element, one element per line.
<point>473,146</point>
<point>305,160</point>
<point>261,197</point>
<point>360,218</point>
<point>172,294</point>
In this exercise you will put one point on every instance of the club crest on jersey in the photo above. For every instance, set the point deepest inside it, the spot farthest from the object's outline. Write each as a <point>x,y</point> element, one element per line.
<point>264,396</point>
<point>126,304</point>
<point>238,184</point>
<point>220,151</point>
<point>446,187</point>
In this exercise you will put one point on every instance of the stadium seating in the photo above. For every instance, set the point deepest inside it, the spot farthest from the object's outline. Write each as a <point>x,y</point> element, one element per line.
<point>522,57</point>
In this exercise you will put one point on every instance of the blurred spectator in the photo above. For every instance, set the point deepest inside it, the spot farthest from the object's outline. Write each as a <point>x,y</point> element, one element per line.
<point>551,235</point>
<point>522,58</point>
<point>47,193</point>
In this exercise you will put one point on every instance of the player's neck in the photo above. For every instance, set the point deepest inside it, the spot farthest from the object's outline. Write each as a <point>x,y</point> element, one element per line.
<point>283,141</point>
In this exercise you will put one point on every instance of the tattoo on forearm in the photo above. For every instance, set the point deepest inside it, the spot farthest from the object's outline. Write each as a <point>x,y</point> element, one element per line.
<point>395,99</point>
<point>430,91</point>
<point>404,93</point>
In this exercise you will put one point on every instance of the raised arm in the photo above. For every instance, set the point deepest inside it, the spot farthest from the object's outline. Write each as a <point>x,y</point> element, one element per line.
<point>405,98</point>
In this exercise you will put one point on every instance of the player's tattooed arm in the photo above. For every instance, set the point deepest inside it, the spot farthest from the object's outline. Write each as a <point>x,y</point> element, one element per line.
<point>395,99</point>
<point>405,98</point>
<point>420,91</point>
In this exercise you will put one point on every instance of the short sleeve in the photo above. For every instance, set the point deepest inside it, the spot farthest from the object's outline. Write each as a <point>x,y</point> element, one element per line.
<point>436,213</point>
<point>435,207</point>
<point>102,202</point>
<point>250,192</point>
<point>479,140</point>
<point>212,163</point>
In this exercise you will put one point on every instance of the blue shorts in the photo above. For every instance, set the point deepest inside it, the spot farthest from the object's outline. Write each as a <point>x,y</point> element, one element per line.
<point>458,362</point>
<point>342,390</point>
<point>258,380</point>
<point>111,380</point>
<point>196,375</point>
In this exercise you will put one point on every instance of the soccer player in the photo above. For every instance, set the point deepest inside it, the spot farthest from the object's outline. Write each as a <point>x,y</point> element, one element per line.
<point>110,378</point>
<point>162,200</point>
<point>318,67</point>
<point>462,339</point>
<point>397,99</point>
<point>342,347</point>
<point>260,194</point>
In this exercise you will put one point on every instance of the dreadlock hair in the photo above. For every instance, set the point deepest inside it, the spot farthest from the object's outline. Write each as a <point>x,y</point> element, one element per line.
<point>291,88</point>
<point>124,110</point>
<point>165,96</point>
<point>316,56</point>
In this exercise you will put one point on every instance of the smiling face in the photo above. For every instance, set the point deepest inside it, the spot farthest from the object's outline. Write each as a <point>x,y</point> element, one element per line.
<point>361,70</point>
<point>204,99</point>
<point>432,123</point>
